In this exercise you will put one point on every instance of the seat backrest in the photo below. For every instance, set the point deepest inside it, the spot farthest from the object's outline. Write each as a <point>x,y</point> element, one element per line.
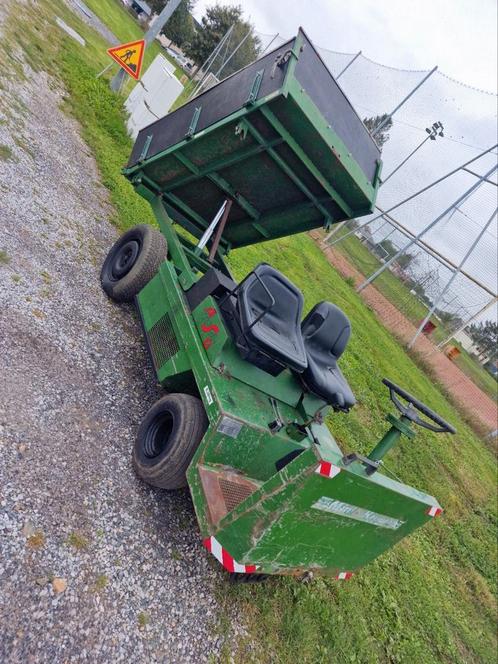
<point>287,308</point>
<point>326,328</point>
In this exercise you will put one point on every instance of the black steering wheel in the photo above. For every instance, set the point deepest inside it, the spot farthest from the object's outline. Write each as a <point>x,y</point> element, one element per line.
<point>410,409</point>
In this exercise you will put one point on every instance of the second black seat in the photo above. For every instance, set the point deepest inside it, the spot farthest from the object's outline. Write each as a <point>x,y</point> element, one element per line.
<point>326,331</point>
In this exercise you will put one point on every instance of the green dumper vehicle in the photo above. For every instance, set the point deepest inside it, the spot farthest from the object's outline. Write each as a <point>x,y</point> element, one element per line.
<point>273,150</point>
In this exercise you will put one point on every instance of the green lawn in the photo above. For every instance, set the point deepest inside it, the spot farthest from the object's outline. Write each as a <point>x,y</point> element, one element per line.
<point>479,375</point>
<point>415,310</point>
<point>433,597</point>
<point>126,28</point>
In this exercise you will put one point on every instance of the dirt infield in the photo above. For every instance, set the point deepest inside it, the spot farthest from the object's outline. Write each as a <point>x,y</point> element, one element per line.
<point>473,401</point>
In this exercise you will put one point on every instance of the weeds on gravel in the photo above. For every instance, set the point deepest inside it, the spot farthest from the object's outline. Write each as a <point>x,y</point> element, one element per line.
<point>4,257</point>
<point>143,620</point>
<point>36,540</point>
<point>5,153</point>
<point>77,541</point>
<point>101,582</point>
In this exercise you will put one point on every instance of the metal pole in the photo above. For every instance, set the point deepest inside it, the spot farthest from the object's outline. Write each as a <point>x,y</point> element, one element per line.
<point>417,193</point>
<point>150,35</point>
<point>104,70</point>
<point>269,44</point>
<point>477,175</point>
<point>232,54</point>
<point>219,231</point>
<point>209,61</point>
<point>347,66</point>
<point>404,161</point>
<point>424,231</point>
<point>489,304</point>
<point>453,277</point>
<point>210,229</point>
<point>403,101</point>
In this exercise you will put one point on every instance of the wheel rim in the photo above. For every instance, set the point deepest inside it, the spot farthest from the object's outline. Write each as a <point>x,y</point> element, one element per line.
<point>125,259</point>
<point>158,435</point>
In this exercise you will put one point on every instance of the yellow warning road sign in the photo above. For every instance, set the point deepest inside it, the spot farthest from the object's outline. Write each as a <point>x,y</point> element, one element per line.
<point>129,56</point>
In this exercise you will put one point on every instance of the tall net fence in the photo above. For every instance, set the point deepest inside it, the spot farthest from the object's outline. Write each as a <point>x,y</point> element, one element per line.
<point>419,279</point>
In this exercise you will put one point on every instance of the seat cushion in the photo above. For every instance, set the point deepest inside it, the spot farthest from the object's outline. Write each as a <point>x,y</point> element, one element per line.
<point>268,295</point>
<point>326,331</point>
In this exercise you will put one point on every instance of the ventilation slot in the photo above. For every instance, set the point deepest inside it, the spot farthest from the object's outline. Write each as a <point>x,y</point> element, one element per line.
<point>162,341</point>
<point>233,493</point>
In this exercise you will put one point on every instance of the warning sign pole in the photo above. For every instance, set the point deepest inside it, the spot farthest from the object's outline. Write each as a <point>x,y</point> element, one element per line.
<point>150,35</point>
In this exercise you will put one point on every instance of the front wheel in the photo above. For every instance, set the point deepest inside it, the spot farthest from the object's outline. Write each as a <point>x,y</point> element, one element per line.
<point>132,262</point>
<point>167,440</point>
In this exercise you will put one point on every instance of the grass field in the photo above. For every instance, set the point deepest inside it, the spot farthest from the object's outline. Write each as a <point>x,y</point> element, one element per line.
<point>479,375</point>
<point>415,310</point>
<point>433,597</point>
<point>126,29</point>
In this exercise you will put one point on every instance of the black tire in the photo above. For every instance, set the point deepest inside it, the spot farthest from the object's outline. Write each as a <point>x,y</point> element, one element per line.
<point>132,262</point>
<point>167,440</point>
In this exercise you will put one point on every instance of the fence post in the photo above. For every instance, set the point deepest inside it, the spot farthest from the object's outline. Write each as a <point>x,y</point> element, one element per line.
<point>453,277</point>
<point>424,231</point>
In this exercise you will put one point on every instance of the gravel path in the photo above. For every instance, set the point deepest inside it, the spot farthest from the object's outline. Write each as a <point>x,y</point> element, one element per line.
<point>94,565</point>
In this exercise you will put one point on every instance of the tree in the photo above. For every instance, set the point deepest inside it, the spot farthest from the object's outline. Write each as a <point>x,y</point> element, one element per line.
<point>156,5</point>
<point>215,24</point>
<point>452,321</point>
<point>485,337</point>
<point>180,27</point>
<point>382,136</point>
<point>388,247</point>
<point>405,260</point>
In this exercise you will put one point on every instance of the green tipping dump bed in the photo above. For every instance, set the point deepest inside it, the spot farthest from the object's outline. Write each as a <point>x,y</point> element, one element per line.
<point>279,138</point>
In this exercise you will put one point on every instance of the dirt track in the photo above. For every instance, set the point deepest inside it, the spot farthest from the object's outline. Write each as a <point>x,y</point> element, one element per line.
<point>472,400</point>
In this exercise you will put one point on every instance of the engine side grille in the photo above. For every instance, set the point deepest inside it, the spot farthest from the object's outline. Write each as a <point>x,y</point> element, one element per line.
<point>162,341</point>
<point>233,493</point>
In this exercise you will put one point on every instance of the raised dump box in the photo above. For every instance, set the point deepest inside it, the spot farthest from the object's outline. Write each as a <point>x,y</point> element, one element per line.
<point>279,138</point>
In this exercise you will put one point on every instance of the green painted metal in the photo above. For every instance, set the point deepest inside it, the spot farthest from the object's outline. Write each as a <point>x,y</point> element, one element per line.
<point>295,519</point>
<point>275,156</point>
<point>307,506</point>
<point>400,426</point>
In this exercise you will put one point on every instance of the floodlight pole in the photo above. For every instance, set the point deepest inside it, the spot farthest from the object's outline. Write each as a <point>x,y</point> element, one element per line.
<point>452,278</point>
<point>432,134</point>
<point>269,44</point>
<point>412,196</point>
<point>401,103</point>
<point>414,240</point>
<point>150,35</point>
<point>348,65</point>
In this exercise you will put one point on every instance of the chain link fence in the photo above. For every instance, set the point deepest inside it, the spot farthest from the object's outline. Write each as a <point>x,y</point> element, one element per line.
<point>418,279</point>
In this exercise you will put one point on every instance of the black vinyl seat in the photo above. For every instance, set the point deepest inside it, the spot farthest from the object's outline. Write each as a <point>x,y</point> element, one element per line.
<point>270,309</point>
<point>326,331</point>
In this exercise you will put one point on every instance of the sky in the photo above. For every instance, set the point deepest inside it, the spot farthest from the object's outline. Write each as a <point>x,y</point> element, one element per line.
<point>460,36</point>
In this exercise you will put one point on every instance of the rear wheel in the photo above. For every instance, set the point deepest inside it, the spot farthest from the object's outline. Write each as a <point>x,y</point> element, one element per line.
<point>167,440</point>
<point>132,262</point>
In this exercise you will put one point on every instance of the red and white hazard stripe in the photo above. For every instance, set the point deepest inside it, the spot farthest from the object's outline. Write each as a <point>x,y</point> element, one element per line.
<point>327,469</point>
<point>222,555</point>
<point>434,511</point>
<point>344,576</point>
